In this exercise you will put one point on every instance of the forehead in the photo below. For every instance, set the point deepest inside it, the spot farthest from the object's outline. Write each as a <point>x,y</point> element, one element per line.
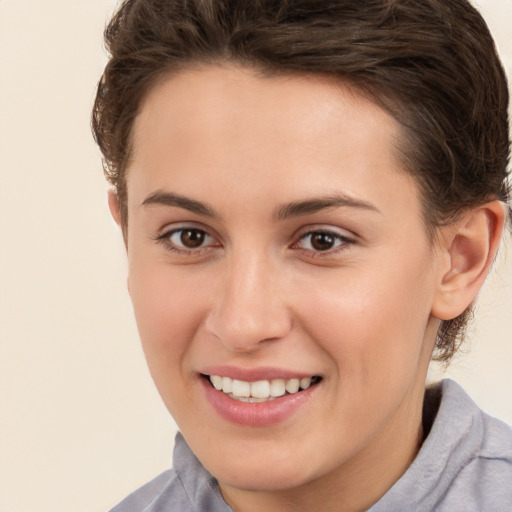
<point>228,101</point>
<point>277,135</point>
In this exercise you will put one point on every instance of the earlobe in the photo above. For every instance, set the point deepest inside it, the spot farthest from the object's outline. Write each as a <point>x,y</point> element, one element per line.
<point>468,249</point>
<point>113,204</point>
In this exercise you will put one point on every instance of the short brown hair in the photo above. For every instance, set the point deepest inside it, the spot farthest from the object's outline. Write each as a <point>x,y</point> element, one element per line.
<point>431,63</point>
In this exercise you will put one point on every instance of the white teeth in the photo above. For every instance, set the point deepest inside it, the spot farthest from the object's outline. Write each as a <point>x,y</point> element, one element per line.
<point>277,387</point>
<point>292,386</point>
<point>241,388</point>
<point>261,390</point>
<point>227,384</point>
<point>250,399</point>
<point>305,382</point>
<point>216,381</point>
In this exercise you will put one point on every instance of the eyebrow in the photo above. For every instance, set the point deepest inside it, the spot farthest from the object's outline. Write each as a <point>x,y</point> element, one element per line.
<point>170,199</point>
<point>314,205</point>
<point>293,209</point>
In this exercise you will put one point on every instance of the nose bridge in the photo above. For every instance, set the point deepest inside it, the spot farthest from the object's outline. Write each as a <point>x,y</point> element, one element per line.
<point>250,307</point>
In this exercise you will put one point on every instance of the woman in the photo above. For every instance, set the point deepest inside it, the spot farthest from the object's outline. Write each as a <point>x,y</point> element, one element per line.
<point>311,195</point>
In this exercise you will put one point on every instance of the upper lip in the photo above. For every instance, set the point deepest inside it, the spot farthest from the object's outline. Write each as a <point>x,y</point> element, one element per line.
<point>255,374</point>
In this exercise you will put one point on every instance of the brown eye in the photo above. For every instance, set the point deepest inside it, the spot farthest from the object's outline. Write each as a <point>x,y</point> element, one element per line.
<point>192,238</point>
<point>189,239</point>
<point>322,241</point>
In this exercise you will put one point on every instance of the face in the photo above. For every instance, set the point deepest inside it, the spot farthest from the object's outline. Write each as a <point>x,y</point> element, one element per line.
<point>281,275</point>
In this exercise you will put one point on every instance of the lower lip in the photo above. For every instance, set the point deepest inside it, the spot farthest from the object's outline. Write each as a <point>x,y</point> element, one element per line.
<point>260,414</point>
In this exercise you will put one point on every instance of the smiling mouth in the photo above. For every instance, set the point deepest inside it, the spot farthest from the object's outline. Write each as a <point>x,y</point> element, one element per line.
<point>261,390</point>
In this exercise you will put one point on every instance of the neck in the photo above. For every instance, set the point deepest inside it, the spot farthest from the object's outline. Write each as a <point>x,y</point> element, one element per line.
<point>357,484</point>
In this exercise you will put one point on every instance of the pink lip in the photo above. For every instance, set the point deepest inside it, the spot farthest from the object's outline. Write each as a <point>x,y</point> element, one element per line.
<point>254,374</point>
<point>262,414</point>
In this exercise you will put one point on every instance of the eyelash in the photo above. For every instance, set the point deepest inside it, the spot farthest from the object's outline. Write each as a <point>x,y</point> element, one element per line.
<point>166,240</point>
<point>341,242</point>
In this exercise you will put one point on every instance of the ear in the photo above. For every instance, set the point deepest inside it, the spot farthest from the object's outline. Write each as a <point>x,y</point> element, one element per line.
<point>113,205</point>
<point>115,211</point>
<point>467,249</point>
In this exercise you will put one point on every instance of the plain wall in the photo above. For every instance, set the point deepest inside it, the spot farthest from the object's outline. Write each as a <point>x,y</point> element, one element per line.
<point>81,423</point>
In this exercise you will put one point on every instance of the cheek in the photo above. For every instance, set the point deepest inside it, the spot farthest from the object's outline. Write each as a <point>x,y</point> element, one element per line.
<point>168,312</point>
<point>369,322</point>
<point>374,335</point>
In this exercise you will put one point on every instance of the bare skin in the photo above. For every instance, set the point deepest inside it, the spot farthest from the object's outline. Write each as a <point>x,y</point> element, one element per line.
<point>270,226</point>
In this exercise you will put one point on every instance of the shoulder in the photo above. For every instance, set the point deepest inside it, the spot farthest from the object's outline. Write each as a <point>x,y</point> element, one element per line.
<point>465,463</point>
<point>166,487</point>
<point>484,478</point>
<point>484,437</point>
<point>187,487</point>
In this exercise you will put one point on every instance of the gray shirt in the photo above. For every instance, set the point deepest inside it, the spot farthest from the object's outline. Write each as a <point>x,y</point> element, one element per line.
<point>464,465</point>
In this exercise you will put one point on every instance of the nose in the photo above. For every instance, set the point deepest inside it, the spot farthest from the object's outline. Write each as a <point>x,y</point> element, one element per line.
<point>249,308</point>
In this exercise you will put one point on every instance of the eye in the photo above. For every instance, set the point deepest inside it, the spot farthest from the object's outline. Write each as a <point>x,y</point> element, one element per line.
<point>322,241</point>
<point>187,239</point>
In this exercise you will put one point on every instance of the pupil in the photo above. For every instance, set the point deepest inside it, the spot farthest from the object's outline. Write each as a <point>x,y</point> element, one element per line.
<point>192,238</point>
<point>322,241</point>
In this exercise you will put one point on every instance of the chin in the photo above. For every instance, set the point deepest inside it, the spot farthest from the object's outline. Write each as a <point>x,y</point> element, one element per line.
<point>263,483</point>
<point>263,476</point>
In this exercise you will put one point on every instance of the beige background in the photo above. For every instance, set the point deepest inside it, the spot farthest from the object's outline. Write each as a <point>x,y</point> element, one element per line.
<point>80,421</point>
